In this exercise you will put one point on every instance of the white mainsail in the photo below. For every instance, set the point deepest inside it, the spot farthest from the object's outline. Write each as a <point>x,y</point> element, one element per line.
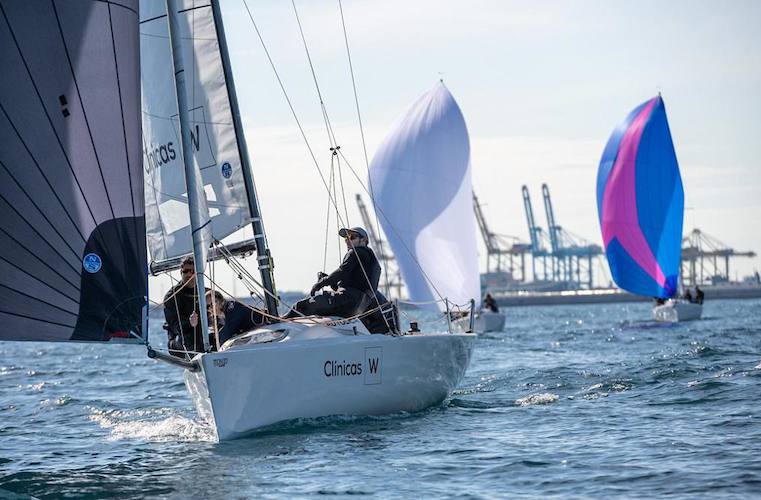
<point>421,184</point>
<point>213,138</point>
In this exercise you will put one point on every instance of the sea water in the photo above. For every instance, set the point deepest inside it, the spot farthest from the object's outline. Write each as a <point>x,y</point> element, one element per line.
<point>567,401</point>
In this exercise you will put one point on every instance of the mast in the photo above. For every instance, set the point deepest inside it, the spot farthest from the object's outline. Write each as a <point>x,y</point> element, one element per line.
<point>192,176</point>
<point>262,250</point>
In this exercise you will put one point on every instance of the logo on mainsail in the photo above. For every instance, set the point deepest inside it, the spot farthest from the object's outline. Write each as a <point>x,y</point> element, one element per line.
<point>92,263</point>
<point>227,170</point>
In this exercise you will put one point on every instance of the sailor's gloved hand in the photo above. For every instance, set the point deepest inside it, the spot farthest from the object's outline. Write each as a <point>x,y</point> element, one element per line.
<point>314,289</point>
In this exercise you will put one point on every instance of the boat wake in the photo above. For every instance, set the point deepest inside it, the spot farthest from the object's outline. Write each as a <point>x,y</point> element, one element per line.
<point>543,398</point>
<point>156,425</point>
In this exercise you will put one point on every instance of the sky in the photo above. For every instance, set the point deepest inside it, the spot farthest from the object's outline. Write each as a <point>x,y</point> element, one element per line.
<point>541,86</point>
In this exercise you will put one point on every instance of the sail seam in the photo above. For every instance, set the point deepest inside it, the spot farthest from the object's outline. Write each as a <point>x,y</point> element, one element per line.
<point>153,19</point>
<point>33,254</point>
<point>39,300</point>
<point>110,3</point>
<point>121,244</point>
<point>206,6</point>
<point>84,112</point>
<point>124,126</point>
<point>53,129</point>
<point>42,173</point>
<point>31,226</point>
<point>39,279</point>
<point>34,318</point>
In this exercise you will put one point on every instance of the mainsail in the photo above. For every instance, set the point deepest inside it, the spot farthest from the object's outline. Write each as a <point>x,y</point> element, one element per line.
<point>640,201</point>
<point>213,138</point>
<point>420,180</point>
<point>72,236</point>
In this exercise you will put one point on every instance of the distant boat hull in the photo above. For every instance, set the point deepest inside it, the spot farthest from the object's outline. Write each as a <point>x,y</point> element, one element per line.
<point>485,321</point>
<point>674,311</point>
<point>321,370</point>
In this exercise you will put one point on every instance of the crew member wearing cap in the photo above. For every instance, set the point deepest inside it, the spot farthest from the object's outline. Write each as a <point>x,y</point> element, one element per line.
<point>354,283</point>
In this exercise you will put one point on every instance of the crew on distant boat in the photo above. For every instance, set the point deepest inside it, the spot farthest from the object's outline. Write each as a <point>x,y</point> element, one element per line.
<point>228,318</point>
<point>179,303</point>
<point>490,304</point>
<point>354,283</point>
<point>687,295</point>
<point>699,295</point>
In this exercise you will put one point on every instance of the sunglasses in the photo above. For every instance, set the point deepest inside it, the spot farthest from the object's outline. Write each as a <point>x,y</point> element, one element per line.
<point>187,271</point>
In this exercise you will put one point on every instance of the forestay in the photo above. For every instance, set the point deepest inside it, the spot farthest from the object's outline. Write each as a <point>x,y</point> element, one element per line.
<point>213,138</point>
<point>640,200</point>
<point>72,235</point>
<point>421,185</point>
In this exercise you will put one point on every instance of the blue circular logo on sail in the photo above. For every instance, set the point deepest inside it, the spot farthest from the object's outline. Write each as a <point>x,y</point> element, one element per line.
<point>92,263</point>
<point>227,170</point>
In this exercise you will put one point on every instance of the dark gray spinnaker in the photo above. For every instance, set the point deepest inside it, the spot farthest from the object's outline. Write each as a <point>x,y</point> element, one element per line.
<point>73,258</point>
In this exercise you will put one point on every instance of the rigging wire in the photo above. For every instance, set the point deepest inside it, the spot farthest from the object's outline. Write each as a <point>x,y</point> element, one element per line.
<point>331,136</point>
<point>401,240</point>
<point>331,193</point>
<point>290,104</point>
<point>334,147</point>
<point>362,133</point>
<point>334,156</point>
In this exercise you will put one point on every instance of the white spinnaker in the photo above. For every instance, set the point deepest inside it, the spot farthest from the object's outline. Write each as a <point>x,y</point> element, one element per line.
<point>214,141</point>
<point>422,193</point>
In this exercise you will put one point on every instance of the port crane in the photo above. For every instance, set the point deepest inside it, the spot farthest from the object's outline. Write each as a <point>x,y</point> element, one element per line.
<point>392,282</point>
<point>571,255</point>
<point>498,246</point>
<point>702,256</point>
<point>539,253</point>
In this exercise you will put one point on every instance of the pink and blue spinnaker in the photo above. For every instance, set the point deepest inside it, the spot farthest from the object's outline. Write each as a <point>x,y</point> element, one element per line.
<point>640,201</point>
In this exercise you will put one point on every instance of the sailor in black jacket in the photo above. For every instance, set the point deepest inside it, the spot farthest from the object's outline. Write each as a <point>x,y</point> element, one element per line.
<point>179,302</point>
<point>354,283</point>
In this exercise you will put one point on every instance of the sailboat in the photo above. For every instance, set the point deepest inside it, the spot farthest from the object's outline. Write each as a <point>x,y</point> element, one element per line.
<point>87,197</point>
<point>640,202</point>
<point>486,321</point>
<point>421,184</point>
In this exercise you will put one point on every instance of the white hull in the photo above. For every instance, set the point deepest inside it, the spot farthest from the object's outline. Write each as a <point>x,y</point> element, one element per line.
<point>674,311</point>
<point>321,370</point>
<point>485,321</point>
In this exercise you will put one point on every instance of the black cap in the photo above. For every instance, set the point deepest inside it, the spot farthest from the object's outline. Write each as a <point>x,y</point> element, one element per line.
<point>344,232</point>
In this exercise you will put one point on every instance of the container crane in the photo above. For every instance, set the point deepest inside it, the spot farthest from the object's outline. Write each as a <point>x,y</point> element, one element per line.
<point>536,236</point>
<point>393,282</point>
<point>497,246</point>
<point>568,251</point>
<point>702,254</point>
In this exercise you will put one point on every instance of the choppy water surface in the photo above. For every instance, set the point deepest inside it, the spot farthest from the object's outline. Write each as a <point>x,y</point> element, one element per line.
<point>584,401</point>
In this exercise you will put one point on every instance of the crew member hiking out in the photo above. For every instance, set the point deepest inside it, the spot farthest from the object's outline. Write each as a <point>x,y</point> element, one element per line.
<point>354,284</point>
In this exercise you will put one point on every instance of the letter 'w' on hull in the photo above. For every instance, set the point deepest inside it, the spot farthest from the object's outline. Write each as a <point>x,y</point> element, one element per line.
<point>420,178</point>
<point>72,235</point>
<point>640,200</point>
